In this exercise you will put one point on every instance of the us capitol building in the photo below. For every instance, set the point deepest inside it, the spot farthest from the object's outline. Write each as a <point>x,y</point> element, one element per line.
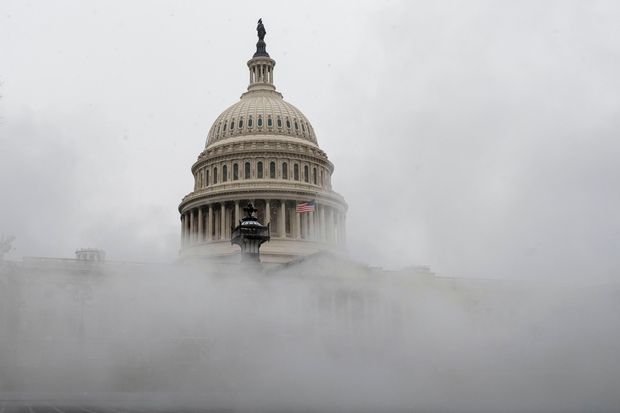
<point>263,150</point>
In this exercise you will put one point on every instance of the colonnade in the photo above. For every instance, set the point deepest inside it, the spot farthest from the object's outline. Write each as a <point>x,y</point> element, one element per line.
<point>213,222</point>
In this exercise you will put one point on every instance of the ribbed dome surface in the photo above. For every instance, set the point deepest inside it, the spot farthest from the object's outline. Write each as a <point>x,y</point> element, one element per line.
<point>261,112</point>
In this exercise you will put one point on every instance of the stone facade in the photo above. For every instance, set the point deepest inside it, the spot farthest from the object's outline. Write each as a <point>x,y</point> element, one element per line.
<point>262,150</point>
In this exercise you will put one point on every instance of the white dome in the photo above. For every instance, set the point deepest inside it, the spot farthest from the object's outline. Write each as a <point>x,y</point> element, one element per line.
<point>262,150</point>
<point>261,112</point>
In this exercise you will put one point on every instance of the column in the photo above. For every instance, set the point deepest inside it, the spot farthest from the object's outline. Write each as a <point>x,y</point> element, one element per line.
<point>338,229</point>
<point>237,218</point>
<point>297,225</point>
<point>222,221</point>
<point>282,220</point>
<point>311,225</point>
<point>182,230</point>
<point>200,225</point>
<point>191,227</point>
<point>344,228</point>
<point>228,219</point>
<point>210,223</point>
<point>187,233</point>
<point>322,222</point>
<point>267,211</point>
<point>304,225</point>
<point>330,226</point>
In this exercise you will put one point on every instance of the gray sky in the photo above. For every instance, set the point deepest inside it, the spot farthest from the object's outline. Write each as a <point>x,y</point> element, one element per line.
<point>477,137</point>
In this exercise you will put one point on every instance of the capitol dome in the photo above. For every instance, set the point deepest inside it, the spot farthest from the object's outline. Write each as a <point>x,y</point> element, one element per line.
<point>261,112</point>
<point>263,150</point>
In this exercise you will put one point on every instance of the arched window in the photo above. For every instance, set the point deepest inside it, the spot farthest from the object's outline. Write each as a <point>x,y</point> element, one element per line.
<point>272,170</point>
<point>225,127</point>
<point>224,173</point>
<point>260,121</point>
<point>303,128</point>
<point>247,170</point>
<point>306,174</point>
<point>232,125</point>
<point>269,121</point>
<point>240,123</point>
<point>296,172</point>
<point>279,123</point>
<point>314,175</point>
<point>322,181</point>
<point>215,175</point>
<point>207,178</point>
<point>250,123</point>
<point>235,171</point>
<point>296,125</point>
<point>259,170</point>
<point>288,124</point>
<point>218,127</point>
<point>284,170</point>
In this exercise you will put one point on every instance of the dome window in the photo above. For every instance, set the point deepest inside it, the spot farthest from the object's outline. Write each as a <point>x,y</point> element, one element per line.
<point>260,121</point>
<point>272,170</point>
<point>284,170</point>
<point>259,170</point>
<point>240,123</point>
<point>250,122</point>
<point>218,127</point>
<point>215,175</point>
<point>224,130</point>
<point>288,124</point>
<point>279,123</point>
<point>235,172</point>
<point>232,125</point>
<point>314,175</point>
<point>224,173</point>
<point>247,170</point>
<point>306,173</point>
<point>207,178</point>
<point>269,122</point>
<point>296,125</point>
<point>296,172</point>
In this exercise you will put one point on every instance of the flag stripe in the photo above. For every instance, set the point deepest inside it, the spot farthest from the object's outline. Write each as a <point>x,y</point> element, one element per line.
<point>305,207</point>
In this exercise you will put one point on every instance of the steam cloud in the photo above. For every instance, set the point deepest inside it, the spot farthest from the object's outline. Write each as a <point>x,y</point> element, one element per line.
<point>308,338</point>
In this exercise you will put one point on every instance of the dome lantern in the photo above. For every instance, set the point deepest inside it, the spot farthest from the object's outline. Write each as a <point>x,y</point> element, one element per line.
<point>261,65</point>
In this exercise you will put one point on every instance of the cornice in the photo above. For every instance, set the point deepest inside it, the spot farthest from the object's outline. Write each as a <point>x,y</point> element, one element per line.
<point>295,192</point>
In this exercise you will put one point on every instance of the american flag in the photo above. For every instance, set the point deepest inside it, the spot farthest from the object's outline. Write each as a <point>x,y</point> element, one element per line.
<point>305,207</point>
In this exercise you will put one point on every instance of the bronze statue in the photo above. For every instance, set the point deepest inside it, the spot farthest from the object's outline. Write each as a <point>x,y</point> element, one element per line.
<point>261,48</point>
<point>261,30</point>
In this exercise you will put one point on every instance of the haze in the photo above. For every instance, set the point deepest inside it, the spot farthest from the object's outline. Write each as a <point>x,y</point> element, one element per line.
<point>479,137</point>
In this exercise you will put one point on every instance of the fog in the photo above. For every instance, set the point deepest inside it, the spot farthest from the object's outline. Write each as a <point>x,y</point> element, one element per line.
<point>491,127</point>
<point>305,339</point>
<point>478,138</point>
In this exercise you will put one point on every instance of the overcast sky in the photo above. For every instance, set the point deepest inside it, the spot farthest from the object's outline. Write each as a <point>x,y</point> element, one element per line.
<point>480,138</point>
